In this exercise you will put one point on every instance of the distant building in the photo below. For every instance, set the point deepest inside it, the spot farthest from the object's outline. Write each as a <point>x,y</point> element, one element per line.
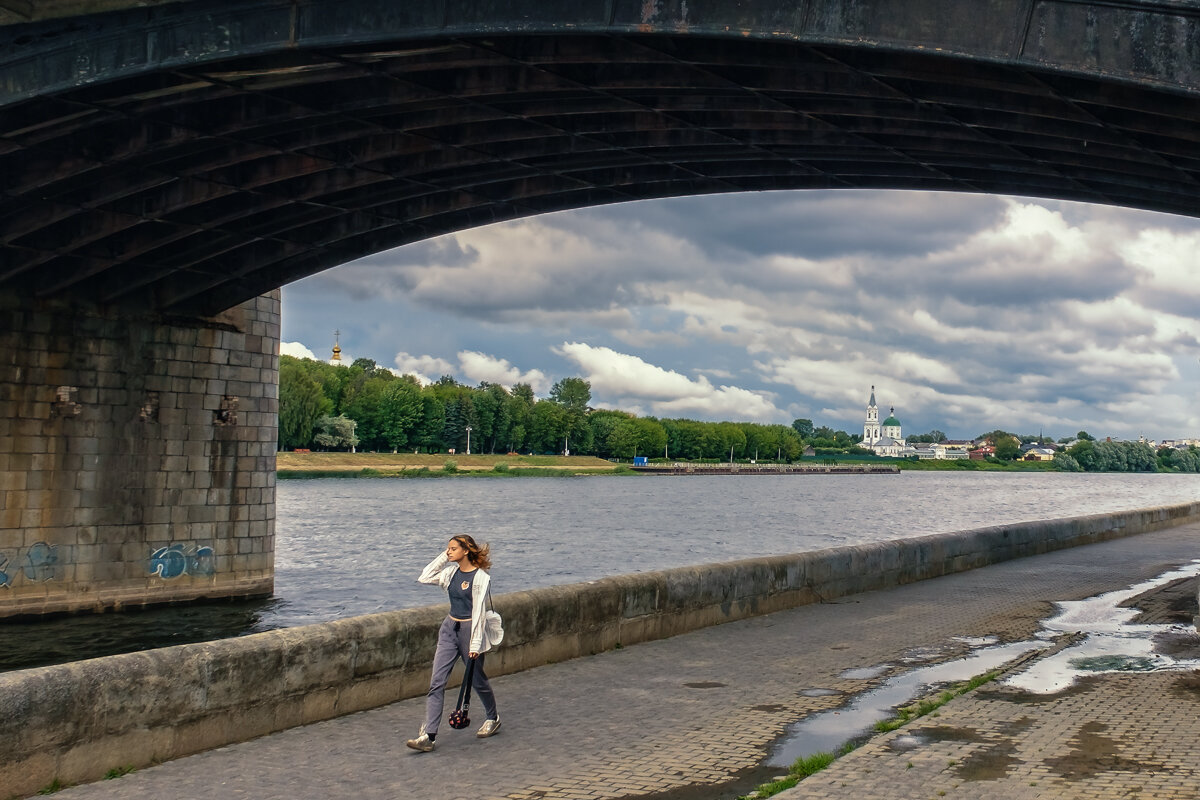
<point>947,451</point>
<point>1039,454</point>
<point>336,358</point>
<point>886,439</point>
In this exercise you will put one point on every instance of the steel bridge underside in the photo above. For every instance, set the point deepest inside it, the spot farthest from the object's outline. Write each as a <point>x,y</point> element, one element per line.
<point>191,188</point>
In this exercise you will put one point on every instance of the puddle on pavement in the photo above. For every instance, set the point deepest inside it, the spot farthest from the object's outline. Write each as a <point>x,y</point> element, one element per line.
<point>1112,642</point>
<point>907,741</point>
<point>864,673</point>
<point>818,692</point>
<point>827,731</point>
<point>977,641</point>
<point>1093,754</point>
<point>921,655</point>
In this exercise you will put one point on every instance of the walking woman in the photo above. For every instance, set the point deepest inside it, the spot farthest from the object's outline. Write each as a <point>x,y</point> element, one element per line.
<point>462,570</point>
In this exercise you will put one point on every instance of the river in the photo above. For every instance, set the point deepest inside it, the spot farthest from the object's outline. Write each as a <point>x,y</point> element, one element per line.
<point>354,546</point>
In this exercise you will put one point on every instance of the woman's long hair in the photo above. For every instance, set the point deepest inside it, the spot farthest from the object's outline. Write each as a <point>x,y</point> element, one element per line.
<point>475,554</point>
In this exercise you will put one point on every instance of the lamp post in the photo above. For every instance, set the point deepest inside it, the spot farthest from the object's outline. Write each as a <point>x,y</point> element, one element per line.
<point>566,446</point>
<point>468,430</point>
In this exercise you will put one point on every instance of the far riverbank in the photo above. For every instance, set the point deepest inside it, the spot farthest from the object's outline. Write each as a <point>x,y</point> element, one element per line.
<point>419,465</point>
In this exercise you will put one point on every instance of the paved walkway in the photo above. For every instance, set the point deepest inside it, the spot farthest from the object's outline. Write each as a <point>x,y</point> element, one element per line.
<point>694,716</point>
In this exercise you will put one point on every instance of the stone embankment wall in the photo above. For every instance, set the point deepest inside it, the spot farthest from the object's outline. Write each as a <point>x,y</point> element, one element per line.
<point>137,455</point>
<point>76,721</point>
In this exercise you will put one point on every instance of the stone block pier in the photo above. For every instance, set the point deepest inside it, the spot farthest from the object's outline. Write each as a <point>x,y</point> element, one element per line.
<point>137,455</point>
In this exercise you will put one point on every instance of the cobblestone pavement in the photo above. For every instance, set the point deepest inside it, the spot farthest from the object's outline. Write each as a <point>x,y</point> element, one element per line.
<point>695,715</point>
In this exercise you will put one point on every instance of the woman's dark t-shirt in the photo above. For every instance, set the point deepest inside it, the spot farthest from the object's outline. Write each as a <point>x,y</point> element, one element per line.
<point>460,593</point>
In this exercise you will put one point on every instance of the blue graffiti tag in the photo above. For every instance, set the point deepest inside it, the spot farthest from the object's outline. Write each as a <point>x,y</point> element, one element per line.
<point>175,560</point>
<point>168,562</point>
<point>39,562</point>
<point>5,580</point>
<point>202,562</point>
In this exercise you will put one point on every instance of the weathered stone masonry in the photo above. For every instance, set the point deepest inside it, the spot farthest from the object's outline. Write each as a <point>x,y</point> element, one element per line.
<point>137,455</point>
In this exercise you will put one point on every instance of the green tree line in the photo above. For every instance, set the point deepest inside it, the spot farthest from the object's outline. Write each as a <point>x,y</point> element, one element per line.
<point>1093,456</point>
<point>1087,454</point>
<point>336,407</point>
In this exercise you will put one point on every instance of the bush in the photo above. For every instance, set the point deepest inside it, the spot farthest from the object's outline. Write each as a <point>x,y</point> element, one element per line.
<point>501,467</point>
<point>1065,463</point>
<point>450,466</point>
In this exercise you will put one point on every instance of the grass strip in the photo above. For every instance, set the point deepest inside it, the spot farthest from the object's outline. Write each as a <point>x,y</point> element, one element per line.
<point>907,714</point>
<point>812,764</point>
<point>501,471</point>
<point>801,769</point>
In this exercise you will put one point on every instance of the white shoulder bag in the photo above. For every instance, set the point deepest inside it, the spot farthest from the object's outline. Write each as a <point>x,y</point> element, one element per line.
<point>493,625</point>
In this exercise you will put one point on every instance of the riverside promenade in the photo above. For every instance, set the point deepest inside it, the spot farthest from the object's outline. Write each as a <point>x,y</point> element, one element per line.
<point>695,716</point>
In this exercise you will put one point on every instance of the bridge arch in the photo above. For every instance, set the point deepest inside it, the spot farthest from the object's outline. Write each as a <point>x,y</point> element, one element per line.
<point>165,166</point>
<point>193,155</point>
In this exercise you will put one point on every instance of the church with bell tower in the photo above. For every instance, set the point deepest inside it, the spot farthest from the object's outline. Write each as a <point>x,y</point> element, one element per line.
<point>886,438</point>
<point>871,432</point>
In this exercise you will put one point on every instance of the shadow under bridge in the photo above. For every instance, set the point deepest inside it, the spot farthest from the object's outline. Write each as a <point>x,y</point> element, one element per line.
<point>187,156</point>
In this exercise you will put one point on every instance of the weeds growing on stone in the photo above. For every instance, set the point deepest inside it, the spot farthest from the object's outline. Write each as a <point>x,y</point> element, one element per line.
<point>54,786</point>
<point>808,765</point>
<point>907,714</point>
<point>117,772</point>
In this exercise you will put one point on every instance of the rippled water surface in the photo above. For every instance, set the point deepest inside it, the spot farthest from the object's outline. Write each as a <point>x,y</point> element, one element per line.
<point>354,546</point>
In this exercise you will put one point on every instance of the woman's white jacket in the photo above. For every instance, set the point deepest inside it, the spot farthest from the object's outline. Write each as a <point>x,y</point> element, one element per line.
<point>441,571</point>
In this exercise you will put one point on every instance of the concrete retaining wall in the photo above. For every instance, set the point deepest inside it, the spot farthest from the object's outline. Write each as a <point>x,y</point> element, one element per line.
<point>76,721</point>
<point>137,455</point>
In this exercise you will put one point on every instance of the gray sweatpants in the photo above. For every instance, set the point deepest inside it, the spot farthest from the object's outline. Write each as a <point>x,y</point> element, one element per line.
<point>451,646</point>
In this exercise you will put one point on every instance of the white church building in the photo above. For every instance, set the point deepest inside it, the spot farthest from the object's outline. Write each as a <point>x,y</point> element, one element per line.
<point>885,439</point>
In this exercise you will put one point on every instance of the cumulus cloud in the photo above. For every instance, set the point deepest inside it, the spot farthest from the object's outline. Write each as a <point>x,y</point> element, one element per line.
<point>482,367</point>
<point>472,367</point>
<point>422,367</point>
<point>614,374</point>
<point>1031,256</point>
<point>295,350</point>
<point>508,271</point>
<point>971,312</point>
<point>1167,263</point>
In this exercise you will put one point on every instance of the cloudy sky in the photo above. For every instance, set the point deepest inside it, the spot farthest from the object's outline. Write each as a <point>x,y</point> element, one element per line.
<point>967,313</point>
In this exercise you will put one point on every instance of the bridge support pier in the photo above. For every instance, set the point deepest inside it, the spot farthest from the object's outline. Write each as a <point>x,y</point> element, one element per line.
<point>137,455</point>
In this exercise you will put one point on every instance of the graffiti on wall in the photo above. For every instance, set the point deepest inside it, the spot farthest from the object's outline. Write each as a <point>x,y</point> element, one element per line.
<point>37,564</point>
<point>179,559</point>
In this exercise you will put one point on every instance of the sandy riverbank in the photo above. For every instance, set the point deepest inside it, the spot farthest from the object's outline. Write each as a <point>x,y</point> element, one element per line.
<point>302,464</point>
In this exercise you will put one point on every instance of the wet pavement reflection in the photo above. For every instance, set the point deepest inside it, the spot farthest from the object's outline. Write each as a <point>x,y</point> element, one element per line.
<point>1104,636</point>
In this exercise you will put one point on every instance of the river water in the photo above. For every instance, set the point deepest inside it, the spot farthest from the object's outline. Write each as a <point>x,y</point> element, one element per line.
<point>354,546</point>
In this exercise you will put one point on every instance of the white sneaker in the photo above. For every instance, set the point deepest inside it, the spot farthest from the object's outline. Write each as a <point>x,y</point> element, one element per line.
<point>489,728</point>
<point>422,743</point>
